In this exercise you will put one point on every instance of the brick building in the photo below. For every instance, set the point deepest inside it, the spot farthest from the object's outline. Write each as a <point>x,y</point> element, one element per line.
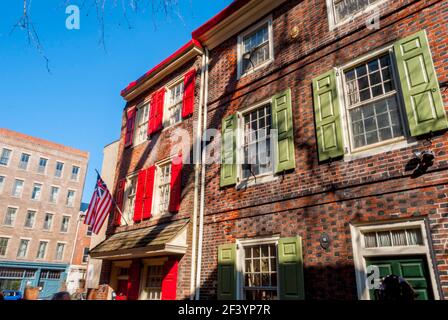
<point>41,186</point>
<point>343,189</point>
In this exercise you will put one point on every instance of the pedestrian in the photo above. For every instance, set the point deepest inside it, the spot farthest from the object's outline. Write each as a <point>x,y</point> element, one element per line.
<point>61,296</point>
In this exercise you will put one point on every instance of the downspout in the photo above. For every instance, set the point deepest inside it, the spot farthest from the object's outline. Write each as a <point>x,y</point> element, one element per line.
<point>202,201</point>
<point>197,160</point>
<point>76,237</point>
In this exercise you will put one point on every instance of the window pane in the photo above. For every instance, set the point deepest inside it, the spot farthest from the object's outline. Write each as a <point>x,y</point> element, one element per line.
<point>415,237</point>
<point>399,238</point>
<point>344,9</point>
<point>384,239</point>
<point>4,159</point>
<point>256,45</point>
<point>370,240</point>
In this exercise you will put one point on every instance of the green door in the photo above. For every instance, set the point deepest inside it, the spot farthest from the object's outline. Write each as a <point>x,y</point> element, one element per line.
<point>412,269</point>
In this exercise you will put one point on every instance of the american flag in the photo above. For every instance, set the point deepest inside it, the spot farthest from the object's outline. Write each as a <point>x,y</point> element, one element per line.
<point>99,207</point>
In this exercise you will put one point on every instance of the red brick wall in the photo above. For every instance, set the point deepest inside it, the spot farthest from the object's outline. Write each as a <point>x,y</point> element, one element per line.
<point>322,197</point>
<point>82,241</point>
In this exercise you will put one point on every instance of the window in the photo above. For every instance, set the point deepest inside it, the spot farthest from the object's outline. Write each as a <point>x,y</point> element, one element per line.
<point>60,251</point>
<point>23,248</point>
<point>131,191</point>
<point>37,191</point>
<point>85,256</point>
<point>141,130</point>
<point>163,188</point>
<point>371,103</point>
<point>48,222</point>
<point>174,105</point>
<point>3,246</point>
<point>42,250</point>
<point>255,48</point>
<point>260,272</point>
<point>42,168</point>
<point>24,161</point>
<point>30,219</point>
<point>346,9</point>
<point>153,283</point>
<point>70,202</point>
<point>2,183</point>
<point>89,231</point>
<point>4,158</point>
<point>54,194</point>
<point>393,238</point>
<point>10,216</point>
<point>256,142</point>
<point>65,224</point>
<point>75,173</point>
<point>59,169</point>
<point>17,188</point>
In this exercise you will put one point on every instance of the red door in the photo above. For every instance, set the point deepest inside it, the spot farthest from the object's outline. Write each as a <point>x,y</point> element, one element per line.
<point>122,290</point>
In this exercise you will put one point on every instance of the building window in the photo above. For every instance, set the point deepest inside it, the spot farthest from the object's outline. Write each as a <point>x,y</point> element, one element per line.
<point>255,48</point>
<point>37,191</point>
<point>163,188</point>
<point>260,272</point>
<point>346,9</point>
<point>89,231</point>
<point>3,246</point>
<point>75,173</point>
<point>2,183</point>
<point>24,161</point>
<point>371,103</point>
<point>4,158</point>
<point>17,188</point>
<point>65,224</point>
<point>59,169</point>
<point>30,219</point>
<point>141,129</point>
<point>10,216</point>
<point>42,168</point>
<point>256,142</point>
<point>153,283</point>
<point>174,104</point>
<point>48,222</point>
<point>85,256</point>
<point>131,190</point>
<point>60,251</point>
<point>393,238</point>
<point>70,202</point>
<point>23,248</point>
<point>42,250</point>
<point>51,274</point>
<point>54,194</point>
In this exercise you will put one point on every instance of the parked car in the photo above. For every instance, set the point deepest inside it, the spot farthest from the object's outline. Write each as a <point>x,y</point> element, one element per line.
<point>12,295</point>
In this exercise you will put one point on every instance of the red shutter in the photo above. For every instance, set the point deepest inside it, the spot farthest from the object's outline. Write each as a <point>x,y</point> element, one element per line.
<point>169,283</point>
<point>176,184</point>
<point>152,107</point>
<point>130,123</point>
<point>156,112</point>
<point>139,197</point>
<point>149,190</point>
<point>189,85</point>
<point>134,280</point>
<point>119,200</point>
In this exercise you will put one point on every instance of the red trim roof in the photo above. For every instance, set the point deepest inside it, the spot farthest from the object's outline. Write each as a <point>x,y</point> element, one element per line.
<point>225,13</point>
<point>189,45</point>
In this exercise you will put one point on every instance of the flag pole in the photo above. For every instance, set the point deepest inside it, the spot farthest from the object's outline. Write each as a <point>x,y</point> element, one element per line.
<point>113,200</point>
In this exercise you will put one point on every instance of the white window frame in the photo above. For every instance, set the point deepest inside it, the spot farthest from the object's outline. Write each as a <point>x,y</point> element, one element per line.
<point>126,212</point>
<point>263,178</point>
<point>147,263</point>
<point>14,188</point>
<point>136,139</point>
<point>57,194</point>
<point>34,221</point>
<point>333,24</point>
<point>167,103</point>
<point>9,159</point>
<point>384,146</point>
<point>240,261</point>
<point>15,217</point>
<point>67,204</point>
<point>41,190</point>
<point>240,44</point>
<point>156,194</point>
<point>360,253</point>
<point>46,166</point>
<point>63,251</point>
<point>7,245</point>
<point>77,176</point>
<point>52,222</point>
<point>46,250</point>
<point>27,163</point>
<point>56,169</point>
<point>27,248</point>
<point>68,226</point>
<point>2,184</point>
<point>85,255</point>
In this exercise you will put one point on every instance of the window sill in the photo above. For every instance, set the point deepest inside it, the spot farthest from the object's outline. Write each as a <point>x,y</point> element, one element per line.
<point>386,147</point>
<point>257,68</point>
<point>250,182</point>
<point>172,126</point>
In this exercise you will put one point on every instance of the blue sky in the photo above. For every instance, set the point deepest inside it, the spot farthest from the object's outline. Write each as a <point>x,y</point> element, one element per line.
<point>79,104</point>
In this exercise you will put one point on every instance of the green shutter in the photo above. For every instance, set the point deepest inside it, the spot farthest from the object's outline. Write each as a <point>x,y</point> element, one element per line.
<point>327,116</point>
<point>228,151</point>
<point>290,258</point>
<point>282,122</point>
<point>419,84</point>
<point>227,272</point>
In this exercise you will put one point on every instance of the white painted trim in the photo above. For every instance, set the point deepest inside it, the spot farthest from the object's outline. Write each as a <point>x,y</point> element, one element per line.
<point>7,245</point>
<point>166,103</point>
<point>14,187</point>
<point>360,253</point>
<point>46,250</point>
<point>9,159</point>
<point>2,185</point>
<point>63,169</point>
<point>269,21</point>
<point>38,165</point>
<point>57,194</point>
<point>146,102</point>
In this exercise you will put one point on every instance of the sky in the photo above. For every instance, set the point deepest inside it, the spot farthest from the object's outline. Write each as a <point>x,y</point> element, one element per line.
<point>77,102</point>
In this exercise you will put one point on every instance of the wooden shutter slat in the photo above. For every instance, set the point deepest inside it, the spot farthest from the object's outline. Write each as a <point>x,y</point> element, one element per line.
<point>176,184</point>
<point>169,282</point>
<point>227,272</point>
<point>290,259</point>
<point>119,196</point>
<point>130,125</point>
<point>148,193</point>
<point>188,100</point>
<point>134,280</point>
<point>140,195</point>
<point>420,87</point>
<point>228,151</point>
